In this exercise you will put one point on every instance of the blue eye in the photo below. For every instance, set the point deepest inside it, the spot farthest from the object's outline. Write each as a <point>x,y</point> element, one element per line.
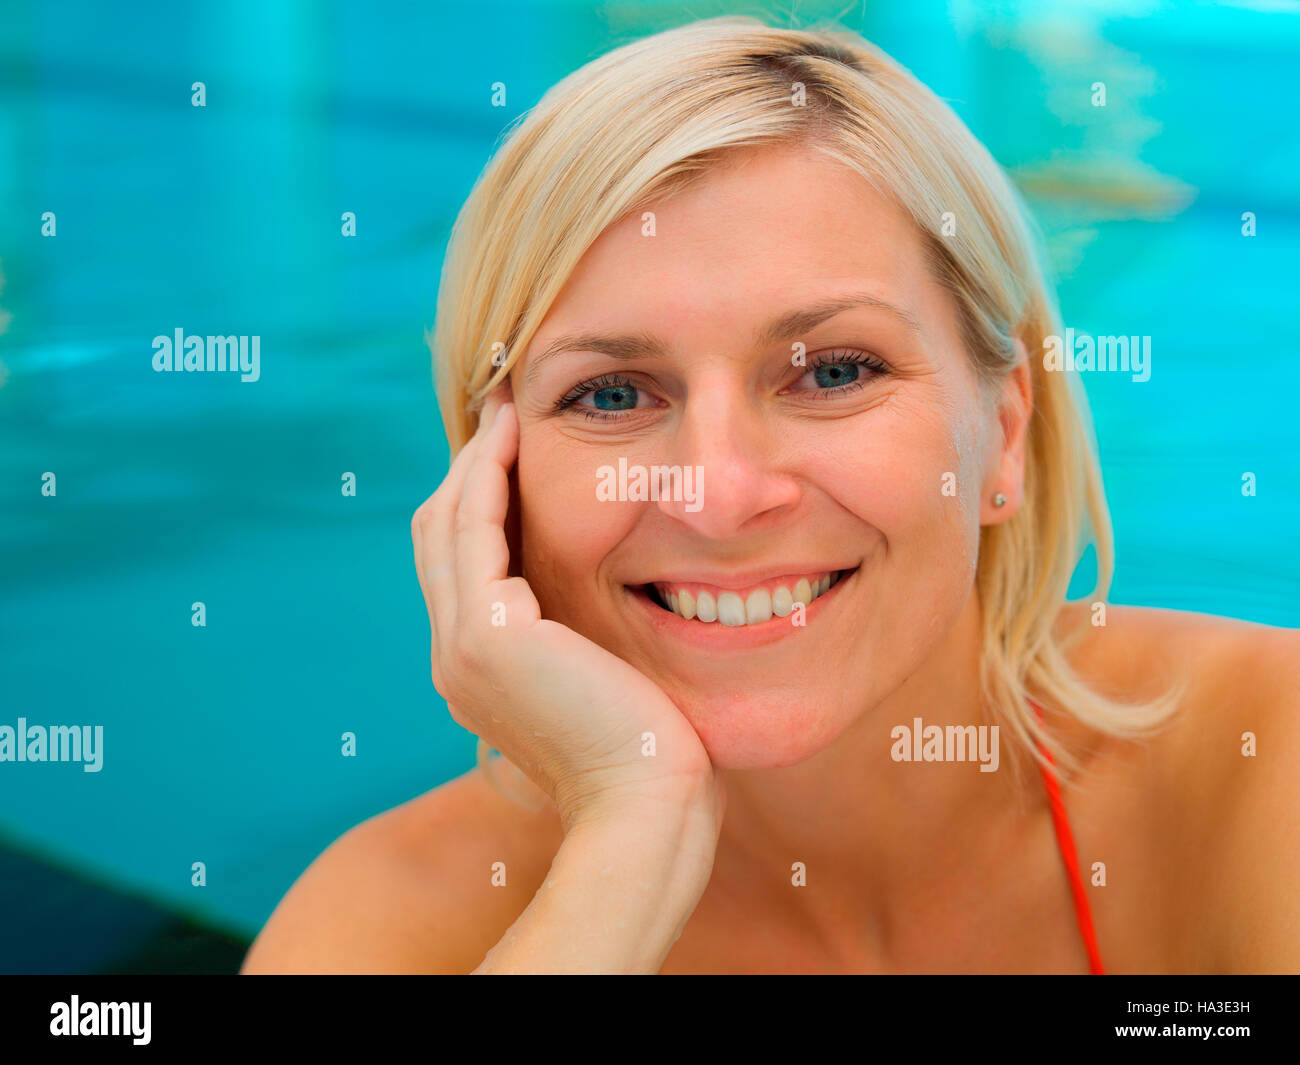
<point>837,372</point>
<point>614,397</point>
<point>610,395</point>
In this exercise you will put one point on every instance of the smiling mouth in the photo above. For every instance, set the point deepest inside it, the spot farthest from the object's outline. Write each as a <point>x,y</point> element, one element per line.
<point>742,607</point>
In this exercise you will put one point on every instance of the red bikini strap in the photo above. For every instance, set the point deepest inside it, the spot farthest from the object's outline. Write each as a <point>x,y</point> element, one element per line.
<point>1065,841</point>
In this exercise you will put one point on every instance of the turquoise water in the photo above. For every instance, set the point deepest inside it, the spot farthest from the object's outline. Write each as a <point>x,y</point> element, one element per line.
<point>222,743</point>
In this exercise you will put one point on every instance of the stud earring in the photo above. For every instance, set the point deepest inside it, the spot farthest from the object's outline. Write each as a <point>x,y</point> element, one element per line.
<point>999,500</point>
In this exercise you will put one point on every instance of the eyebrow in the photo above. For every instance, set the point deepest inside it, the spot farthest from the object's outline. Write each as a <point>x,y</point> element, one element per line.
<point>627,346</point>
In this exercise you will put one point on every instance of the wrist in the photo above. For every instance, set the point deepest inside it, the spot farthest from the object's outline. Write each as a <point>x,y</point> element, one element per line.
<point>671,832</point>
<point>687,805</point>
<point>619,892</point>
<point>652,872</point>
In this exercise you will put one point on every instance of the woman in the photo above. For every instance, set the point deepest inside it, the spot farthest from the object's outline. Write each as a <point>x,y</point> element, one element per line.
<point>753,560</point>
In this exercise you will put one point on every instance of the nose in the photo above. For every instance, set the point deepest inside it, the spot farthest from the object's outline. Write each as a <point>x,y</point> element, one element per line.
<point>730,451</point>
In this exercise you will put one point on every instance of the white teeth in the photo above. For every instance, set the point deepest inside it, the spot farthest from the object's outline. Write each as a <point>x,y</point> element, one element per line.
<point>731,610</point>
<point>782,602</point>
<point>758,607</point>
<point>685,605</point>
<point>705,608</point>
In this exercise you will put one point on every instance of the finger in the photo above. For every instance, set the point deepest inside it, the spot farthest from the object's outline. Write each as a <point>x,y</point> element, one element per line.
<point>455,480</point>
<point>481,548</point>
<point>497,398</point>
<point>433,542</point>
<point>432,549</point>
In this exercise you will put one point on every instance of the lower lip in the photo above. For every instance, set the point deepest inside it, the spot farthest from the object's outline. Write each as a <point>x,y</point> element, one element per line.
<point>715,636</point>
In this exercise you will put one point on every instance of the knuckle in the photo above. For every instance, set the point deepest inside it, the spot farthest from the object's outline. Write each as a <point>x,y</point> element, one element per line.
<point>423,517</point>
<point>438,674</point>
<point>466,657</point>
<point>464,522</point>
<point>443,671</point>
<point>418,519</point>
<point>458,662</point>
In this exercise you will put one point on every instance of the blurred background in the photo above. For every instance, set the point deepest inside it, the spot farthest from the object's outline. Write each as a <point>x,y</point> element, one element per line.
<point>222,744</point>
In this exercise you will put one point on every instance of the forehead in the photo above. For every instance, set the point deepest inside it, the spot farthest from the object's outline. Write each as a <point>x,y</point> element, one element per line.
<point>767,228</point>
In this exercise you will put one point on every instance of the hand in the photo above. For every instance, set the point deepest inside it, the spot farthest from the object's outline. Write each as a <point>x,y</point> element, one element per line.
<point>568,713</point>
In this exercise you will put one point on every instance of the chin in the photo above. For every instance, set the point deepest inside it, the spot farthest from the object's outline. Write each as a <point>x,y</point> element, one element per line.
<point>766,728</point>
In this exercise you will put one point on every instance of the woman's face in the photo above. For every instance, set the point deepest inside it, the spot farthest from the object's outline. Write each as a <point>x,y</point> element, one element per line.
<point>811,440</point>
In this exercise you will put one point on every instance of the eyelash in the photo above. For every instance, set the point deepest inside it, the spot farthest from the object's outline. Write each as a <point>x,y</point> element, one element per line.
<point>858,358</point>
<point>571,398</point>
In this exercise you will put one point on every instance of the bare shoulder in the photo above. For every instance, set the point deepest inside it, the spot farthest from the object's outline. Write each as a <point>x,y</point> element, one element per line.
<point>1239,670</point>
<point>1214,793</point>
<point>1239,680</point>
<point>1151,636</point>
<point>426,887</point>
<point>1251,861</point>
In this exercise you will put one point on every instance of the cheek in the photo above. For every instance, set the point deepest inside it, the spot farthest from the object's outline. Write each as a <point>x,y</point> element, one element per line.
<point>914,480</point>
<point>914,475</point>
<point>565,530</point>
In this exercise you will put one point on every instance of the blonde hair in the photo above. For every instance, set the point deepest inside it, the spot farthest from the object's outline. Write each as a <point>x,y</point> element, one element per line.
<point>644,120</point>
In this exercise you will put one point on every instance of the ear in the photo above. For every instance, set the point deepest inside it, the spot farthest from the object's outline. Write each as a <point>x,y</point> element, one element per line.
<point>1006,469</point>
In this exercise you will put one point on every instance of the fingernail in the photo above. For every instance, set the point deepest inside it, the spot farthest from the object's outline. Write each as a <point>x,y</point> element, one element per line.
<point>499,414</point>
